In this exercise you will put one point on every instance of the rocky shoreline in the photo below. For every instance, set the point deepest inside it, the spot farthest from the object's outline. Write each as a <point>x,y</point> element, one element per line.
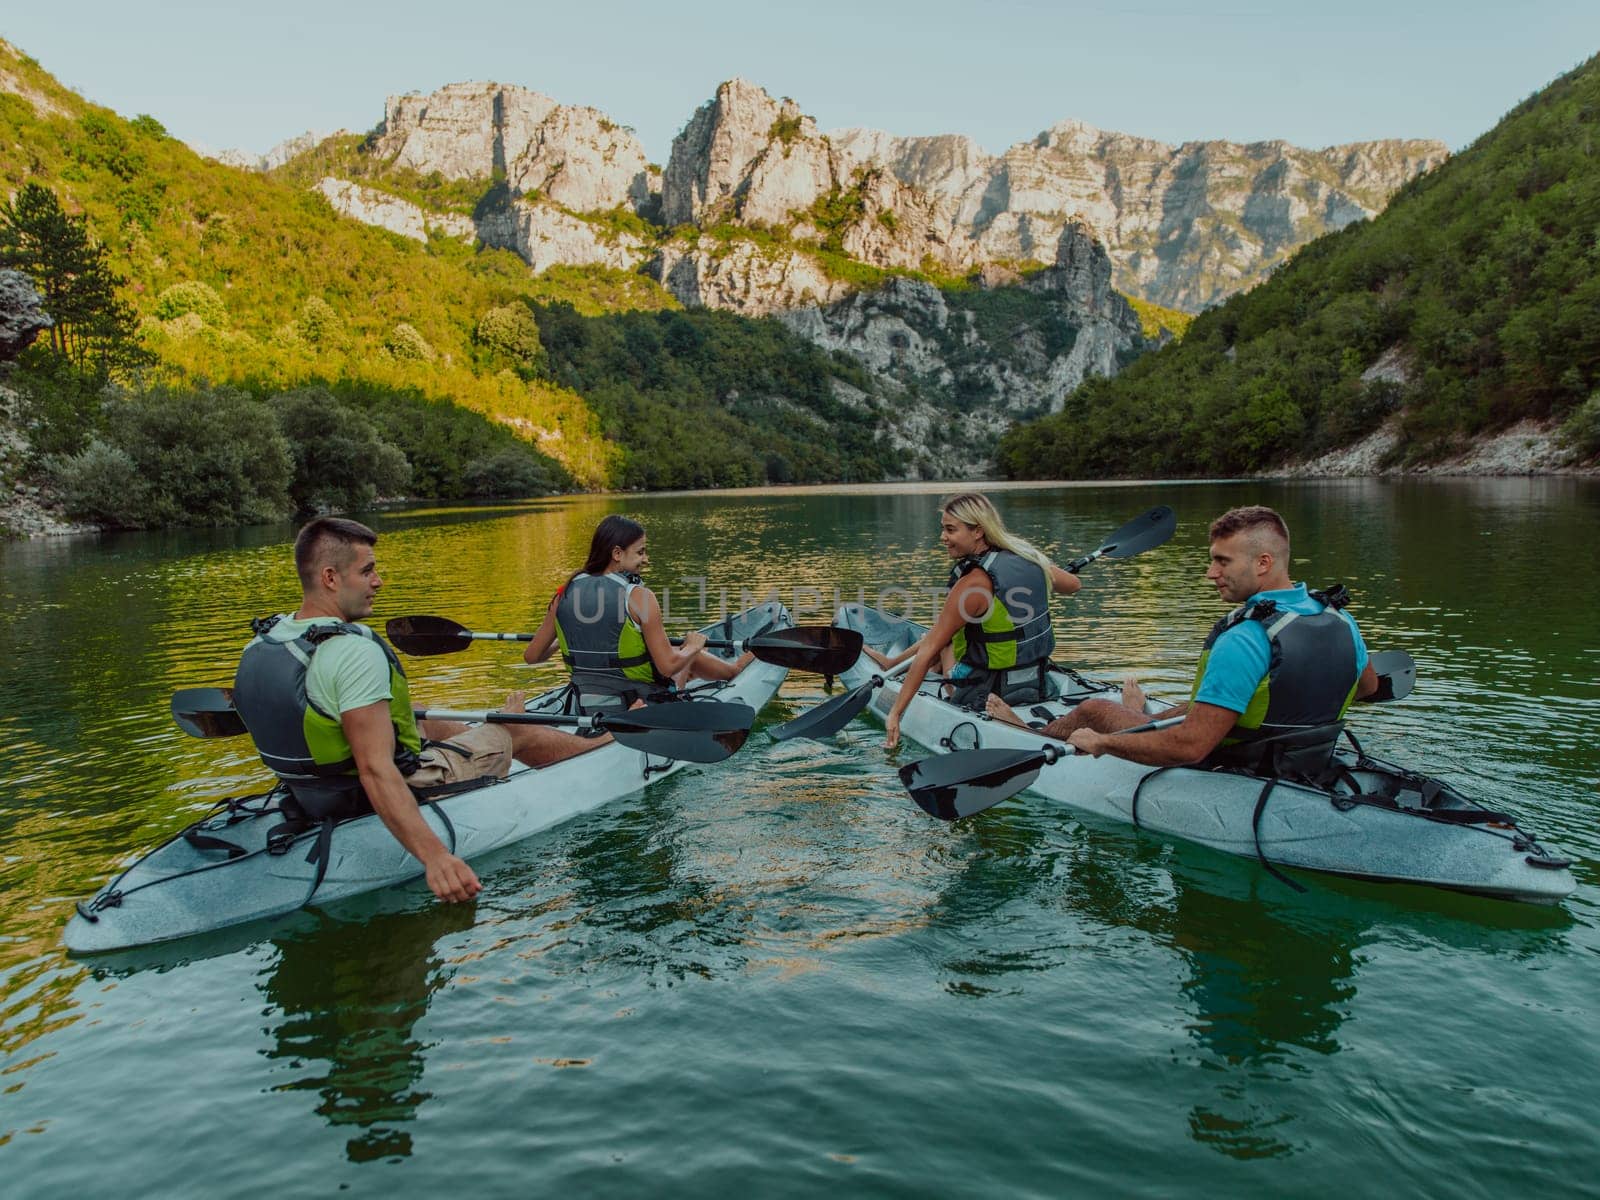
<point>1526,448</point>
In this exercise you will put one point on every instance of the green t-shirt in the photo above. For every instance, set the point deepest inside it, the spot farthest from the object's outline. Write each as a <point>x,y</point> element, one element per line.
<point>345,672</point>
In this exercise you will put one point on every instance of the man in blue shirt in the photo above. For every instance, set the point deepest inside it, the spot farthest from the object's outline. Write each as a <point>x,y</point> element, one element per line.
<point>1244,689</point>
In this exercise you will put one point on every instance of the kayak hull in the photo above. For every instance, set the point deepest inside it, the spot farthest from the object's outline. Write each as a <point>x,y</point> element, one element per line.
<point>1298,825</point>
<point>179,889</point>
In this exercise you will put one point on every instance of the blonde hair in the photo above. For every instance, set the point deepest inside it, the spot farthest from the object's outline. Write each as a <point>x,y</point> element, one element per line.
<point>978,511</point>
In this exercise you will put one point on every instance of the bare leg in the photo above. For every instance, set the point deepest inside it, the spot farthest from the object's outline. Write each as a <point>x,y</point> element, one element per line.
<point>539,746</point>
<point>885,661</point>
<point>532,745</point>
<point>1102,716</point>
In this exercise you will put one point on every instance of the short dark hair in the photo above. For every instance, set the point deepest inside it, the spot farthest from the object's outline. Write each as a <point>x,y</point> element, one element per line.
<point>1249,518</point>
<point>325,538</point>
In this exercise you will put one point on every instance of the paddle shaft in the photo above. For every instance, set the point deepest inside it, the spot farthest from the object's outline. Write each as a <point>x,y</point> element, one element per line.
<point>494,717</point>
<point>826,650</point>
<point>473,635</point>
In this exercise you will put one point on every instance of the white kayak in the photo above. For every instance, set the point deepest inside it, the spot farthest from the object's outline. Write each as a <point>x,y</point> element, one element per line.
<point>1379,822</point>
<point>195,882</point>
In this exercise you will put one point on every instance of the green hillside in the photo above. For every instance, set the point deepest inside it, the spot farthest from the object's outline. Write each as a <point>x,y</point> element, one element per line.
<point>1477,287</point>
<point>249,280</point>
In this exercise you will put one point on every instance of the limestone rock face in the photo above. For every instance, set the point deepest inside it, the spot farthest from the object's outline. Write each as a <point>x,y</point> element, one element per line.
<point>574,156</point>
<point>582,161</point>
<point>957,379</point>
<point>545,236</point>
<point>21,317</point>
<point>745,155</point>
<point>372,207</point>
<point>1185,226</point>
<point>742,276</point>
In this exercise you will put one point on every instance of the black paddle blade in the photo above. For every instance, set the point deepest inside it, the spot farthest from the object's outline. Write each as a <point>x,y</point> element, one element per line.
<point>827,718</point>
<point>207,713</point>
<point>707,747</point>
<point>952,786</point>
<point>826,650</point>
<point>1144,532</point>
<point>689,731</point>
<point>427,635</point>
<point>1397,675</point>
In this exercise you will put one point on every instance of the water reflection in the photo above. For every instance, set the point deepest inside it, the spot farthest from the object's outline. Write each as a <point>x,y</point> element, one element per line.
<point>1267,976</point>
<point>347,998</point>
<point>798,879</point>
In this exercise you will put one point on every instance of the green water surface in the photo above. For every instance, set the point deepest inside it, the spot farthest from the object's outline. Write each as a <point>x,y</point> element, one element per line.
<point>775,974</point>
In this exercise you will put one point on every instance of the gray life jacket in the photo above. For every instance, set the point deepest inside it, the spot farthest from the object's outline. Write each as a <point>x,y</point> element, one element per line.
<point>600,642</point>
<point>1309,684</point>
<point>299,742</point>
<point>1016,632</point>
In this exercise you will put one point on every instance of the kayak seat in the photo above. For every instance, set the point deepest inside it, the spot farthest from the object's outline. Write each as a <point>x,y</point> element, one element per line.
<point>1302,755</point>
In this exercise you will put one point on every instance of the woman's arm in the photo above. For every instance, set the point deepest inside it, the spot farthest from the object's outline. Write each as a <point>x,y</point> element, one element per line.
<point>968,600</point>
<point>544,638</point>
<point>668,659</point>
<point>1064,583</point>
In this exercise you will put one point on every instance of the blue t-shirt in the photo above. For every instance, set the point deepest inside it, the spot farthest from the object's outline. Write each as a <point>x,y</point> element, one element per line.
<point>1240,657</point>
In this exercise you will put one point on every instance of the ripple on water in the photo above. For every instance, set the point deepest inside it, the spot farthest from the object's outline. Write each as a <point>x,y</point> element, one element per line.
<point>779,971</point>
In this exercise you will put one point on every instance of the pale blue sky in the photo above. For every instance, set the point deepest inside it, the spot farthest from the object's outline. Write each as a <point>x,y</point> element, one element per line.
<point>1314,74</point>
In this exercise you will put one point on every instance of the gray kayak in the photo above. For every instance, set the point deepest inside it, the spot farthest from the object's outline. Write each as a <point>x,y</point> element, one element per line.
<point>219,871</point>
<point>1380,821</point>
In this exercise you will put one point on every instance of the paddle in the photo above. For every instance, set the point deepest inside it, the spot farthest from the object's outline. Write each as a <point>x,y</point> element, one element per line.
<point>951,786</point>
<point>1145,532</point>
<point>207,713</point>
<point>1397,675</point>
<point>702,731</point>
<point>825,649</point>
<point>827,718</point>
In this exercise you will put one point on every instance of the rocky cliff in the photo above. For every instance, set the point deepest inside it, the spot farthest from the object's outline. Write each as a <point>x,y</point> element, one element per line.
<point>575,157</point>
<point>1184,226</point>
<point>962,365</point>
<point>845,235</point>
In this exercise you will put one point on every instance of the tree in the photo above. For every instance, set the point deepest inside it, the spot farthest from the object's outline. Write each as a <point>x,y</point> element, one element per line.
<point>511,331</point>
<point>209,457</point>
<point>94,331</point>
<point>340,460</point>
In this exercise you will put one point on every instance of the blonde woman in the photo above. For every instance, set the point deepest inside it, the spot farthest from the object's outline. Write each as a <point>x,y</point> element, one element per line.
<point>995,623</point>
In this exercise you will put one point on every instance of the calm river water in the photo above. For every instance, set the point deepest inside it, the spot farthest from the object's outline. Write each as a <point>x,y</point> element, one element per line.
<point>776,974</point>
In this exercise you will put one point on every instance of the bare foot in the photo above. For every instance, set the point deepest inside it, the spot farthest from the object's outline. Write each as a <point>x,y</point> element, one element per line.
<point>1001,711</point>
<point>1132,694</point>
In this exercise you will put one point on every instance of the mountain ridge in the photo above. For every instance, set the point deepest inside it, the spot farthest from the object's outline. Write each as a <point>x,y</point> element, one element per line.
<point>1185,225</point>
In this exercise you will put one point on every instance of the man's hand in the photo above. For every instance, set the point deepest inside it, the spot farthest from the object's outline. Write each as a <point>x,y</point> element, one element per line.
<point>1087,741</point>
<point>452,880</point>
<point>694,642</point>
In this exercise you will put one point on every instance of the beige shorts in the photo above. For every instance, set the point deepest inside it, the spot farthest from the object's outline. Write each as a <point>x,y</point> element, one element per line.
<point>481,750</point>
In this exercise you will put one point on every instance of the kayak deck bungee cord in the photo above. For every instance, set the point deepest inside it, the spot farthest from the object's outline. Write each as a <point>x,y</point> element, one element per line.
<point>239,864</point>
<point>1378,821</point>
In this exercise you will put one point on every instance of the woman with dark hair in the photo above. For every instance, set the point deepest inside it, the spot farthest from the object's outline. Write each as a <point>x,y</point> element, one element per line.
<point>608,625</point>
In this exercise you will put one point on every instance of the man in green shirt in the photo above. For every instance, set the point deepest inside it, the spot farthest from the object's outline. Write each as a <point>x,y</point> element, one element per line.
<point>328,706</point>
